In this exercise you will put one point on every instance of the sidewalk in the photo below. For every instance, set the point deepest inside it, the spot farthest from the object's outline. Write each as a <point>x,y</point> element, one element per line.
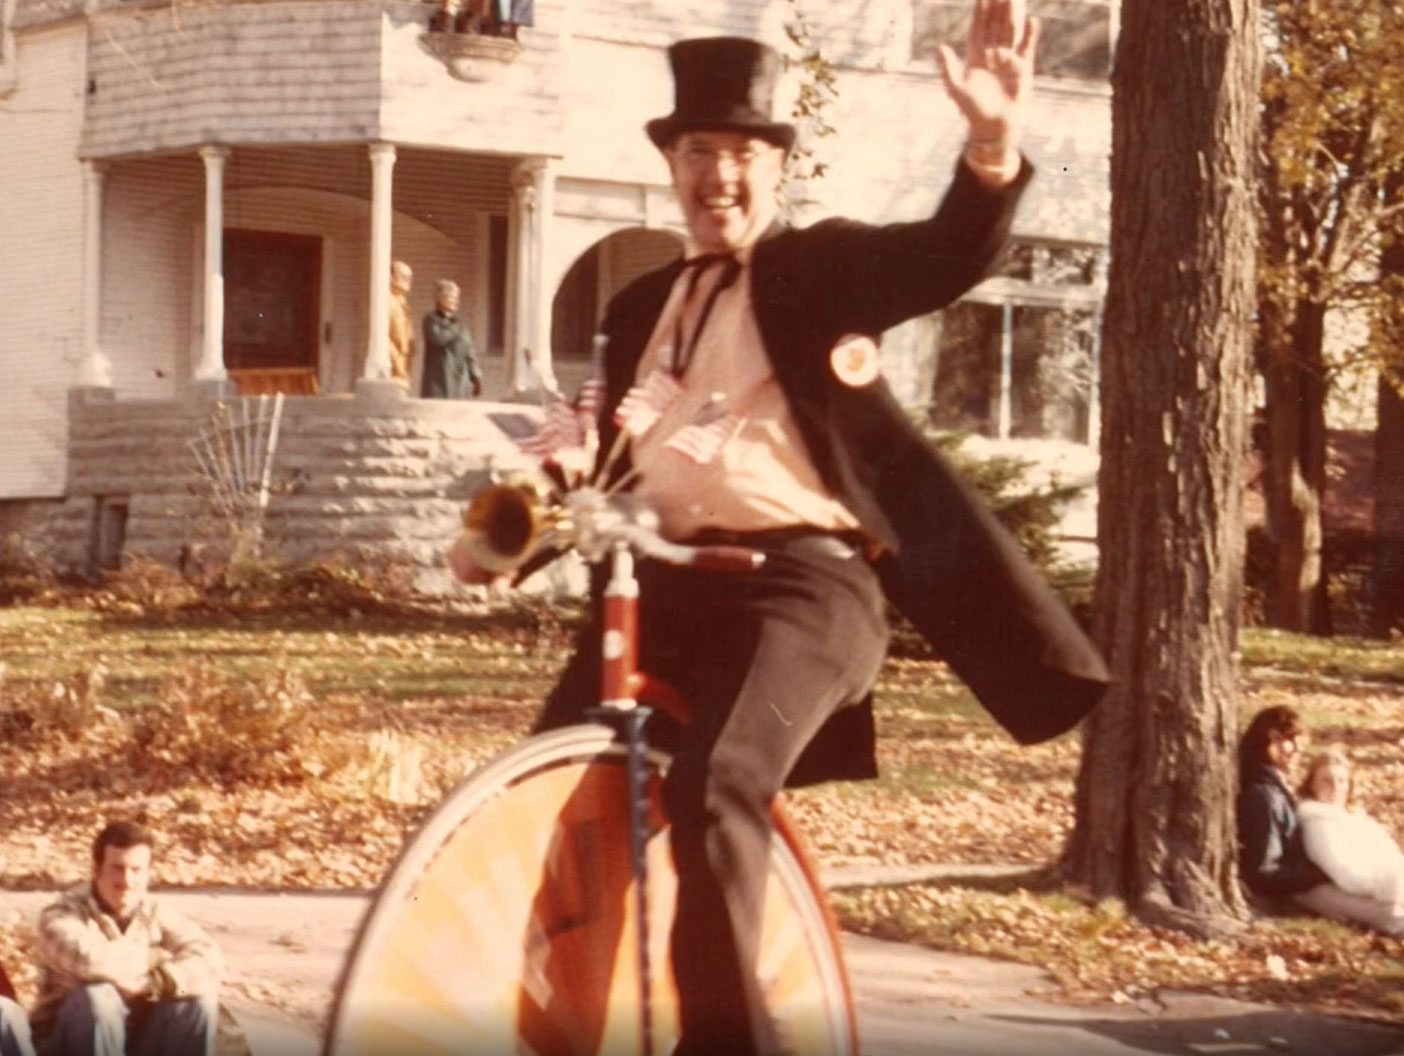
<point>283,953</point>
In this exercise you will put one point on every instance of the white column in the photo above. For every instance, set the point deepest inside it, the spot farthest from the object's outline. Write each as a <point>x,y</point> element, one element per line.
<point>211,365</point>
<point>382,159</point>
<point>529,341</point>
<point>515,373</point>
<point>543,240</point>
<point>96,369</point>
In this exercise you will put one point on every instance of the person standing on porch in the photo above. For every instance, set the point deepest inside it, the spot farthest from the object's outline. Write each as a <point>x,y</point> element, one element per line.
<point>401,323</point>
<point>450,359</point>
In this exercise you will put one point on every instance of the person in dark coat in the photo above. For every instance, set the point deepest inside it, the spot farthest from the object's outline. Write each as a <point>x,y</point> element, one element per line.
<point>450,360</point>
<point>748,378</point>
<point>1271,860</point>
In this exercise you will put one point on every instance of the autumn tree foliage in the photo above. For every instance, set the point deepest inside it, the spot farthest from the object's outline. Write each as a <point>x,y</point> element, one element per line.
<point>1332,145</point>
<point>1155,788</point>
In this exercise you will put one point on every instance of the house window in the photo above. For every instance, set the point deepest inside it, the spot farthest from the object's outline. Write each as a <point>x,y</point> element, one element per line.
<point>1051,264</point>
<point>1018,357</point>
<point>497,282</point>
<point>1075,43</point>
<point>966,394</point>
<point>108,536</point>
<point>1051,372</point>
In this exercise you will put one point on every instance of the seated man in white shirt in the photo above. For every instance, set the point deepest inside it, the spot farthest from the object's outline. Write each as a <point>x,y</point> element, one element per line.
<point>120,972</point>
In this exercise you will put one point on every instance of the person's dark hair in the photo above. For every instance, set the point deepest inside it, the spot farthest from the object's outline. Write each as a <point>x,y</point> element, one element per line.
<point>121,834</point>
<point>1279,720</point>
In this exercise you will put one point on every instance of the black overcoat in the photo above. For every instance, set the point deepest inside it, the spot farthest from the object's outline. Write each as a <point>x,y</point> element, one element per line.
<point>948,565</point>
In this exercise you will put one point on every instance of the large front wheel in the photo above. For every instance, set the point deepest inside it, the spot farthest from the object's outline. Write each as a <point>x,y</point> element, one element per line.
<point>506,925</point>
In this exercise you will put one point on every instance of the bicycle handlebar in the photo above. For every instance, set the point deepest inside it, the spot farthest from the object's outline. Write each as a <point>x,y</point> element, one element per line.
<point>713,558</point>
<point>504,526</point>
<point>727,558</point>
<point>623,519</point>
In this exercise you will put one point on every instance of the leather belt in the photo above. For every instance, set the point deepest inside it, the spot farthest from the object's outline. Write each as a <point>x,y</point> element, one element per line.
<point>840,545</point>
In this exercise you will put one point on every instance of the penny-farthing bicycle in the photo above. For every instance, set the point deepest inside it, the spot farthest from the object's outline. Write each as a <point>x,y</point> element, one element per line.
<point>531,913</point>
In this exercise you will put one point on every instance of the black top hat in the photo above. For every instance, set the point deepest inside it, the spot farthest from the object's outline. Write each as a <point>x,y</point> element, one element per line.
<point>722,84</point>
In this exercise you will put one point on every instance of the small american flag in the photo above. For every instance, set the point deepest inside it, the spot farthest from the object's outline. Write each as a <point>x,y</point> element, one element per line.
<point>707,433</point>
<point>644,404</point>
<point>560,427</point>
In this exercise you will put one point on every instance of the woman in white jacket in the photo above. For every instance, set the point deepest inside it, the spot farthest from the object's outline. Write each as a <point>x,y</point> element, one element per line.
<point>1360,856</point>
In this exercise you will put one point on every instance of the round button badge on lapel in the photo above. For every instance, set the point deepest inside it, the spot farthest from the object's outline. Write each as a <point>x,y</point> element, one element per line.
<point>854,360</point>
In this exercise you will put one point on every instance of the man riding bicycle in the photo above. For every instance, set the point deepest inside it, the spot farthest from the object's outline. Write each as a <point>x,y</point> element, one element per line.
<point>746,376</point>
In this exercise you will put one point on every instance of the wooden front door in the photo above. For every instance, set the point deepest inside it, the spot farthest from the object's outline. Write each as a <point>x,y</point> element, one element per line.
<point>272,299</point>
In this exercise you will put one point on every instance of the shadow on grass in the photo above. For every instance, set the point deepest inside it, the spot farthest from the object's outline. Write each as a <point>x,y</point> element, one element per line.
<point>992,879</point>
<point>383,618</point>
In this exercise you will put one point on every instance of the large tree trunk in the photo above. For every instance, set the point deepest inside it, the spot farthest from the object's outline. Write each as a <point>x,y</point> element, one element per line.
<point>1387,614</point>
<point>1295,463</point>
<point>1387,609</point>
<point>1156,787</point>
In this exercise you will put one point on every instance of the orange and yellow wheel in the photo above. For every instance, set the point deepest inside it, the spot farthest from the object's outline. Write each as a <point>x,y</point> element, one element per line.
<point>507,924</point>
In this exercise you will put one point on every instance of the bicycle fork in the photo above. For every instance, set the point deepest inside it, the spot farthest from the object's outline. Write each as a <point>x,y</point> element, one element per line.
<point>619,705</point>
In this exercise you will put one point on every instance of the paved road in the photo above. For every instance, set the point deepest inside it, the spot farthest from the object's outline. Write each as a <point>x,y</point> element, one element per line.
<point>912,1002</point>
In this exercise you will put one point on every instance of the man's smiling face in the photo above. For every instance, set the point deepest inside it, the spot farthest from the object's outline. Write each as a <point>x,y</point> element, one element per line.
<point>728,186</point>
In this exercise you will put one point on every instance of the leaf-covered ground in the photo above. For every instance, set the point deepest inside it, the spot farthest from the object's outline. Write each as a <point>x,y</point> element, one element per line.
<point>276,751</point>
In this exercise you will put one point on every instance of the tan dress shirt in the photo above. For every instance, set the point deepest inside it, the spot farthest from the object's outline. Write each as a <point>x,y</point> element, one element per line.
<point>761,476</point>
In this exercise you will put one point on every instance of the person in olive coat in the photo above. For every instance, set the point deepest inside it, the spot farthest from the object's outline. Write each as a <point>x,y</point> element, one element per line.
<point>450,360</point>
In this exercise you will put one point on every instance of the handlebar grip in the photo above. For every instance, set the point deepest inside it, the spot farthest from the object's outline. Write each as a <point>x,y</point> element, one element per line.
<point>727,558</point>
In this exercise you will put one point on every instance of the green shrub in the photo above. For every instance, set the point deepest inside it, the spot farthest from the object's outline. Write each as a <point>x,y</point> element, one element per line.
<point>1031,512</point>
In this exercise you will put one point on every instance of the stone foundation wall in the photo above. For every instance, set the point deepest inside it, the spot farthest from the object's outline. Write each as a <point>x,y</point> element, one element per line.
<point>375,477</point>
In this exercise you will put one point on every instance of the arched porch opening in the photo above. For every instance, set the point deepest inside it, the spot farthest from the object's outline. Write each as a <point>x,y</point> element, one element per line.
<point>597,275</point>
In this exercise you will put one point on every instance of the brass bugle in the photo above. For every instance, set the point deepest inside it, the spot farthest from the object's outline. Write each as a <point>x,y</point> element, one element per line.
<point>502,526</point>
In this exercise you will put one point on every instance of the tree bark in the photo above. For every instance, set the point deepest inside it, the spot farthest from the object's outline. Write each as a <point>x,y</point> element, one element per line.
<point>1387,609</point>
<point>1295,463</point>
<point>1156,787</point>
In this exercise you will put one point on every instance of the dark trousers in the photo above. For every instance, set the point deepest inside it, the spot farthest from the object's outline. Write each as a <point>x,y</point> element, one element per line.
<point>764,659</point>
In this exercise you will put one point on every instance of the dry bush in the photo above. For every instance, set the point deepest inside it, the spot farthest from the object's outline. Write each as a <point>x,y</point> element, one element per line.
<point>333,586</point>
<point>209,727</point>
<point>17,937</point>
<point>142,586</point>
<point>63,711</point>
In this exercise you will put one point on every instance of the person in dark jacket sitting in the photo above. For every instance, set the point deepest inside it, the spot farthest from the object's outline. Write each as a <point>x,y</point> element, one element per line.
<point>1272,856</point>
<point>1271,860</point>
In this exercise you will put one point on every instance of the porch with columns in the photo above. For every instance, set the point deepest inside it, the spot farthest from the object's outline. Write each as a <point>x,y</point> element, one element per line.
<point>519,191</point>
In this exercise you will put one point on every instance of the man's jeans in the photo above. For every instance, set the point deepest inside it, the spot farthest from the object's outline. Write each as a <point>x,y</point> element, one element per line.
<point>96,1020</point>
<point>14,1030</point>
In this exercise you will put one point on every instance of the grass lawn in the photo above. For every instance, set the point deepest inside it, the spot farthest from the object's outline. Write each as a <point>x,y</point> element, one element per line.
<point>296,750</point>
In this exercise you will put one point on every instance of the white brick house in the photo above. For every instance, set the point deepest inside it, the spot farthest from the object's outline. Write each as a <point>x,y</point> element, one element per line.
<point>201,197</point>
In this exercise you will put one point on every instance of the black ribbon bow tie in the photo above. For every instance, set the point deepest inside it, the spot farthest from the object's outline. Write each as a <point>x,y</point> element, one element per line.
<point>698,266</point>
<point>703,261</point>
